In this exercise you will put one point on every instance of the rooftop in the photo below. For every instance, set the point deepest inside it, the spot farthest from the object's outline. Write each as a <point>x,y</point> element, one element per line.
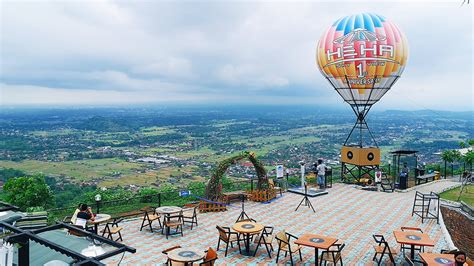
<point>346,213</point>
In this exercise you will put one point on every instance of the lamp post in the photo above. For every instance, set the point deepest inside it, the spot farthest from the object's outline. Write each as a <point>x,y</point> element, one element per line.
<point>389,166</point>
<point>98,198</point>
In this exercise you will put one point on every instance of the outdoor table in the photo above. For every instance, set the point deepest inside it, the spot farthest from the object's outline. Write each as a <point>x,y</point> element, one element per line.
<point>186,255</point>
<point>99,218</point>
<point>413,239</point>
<point>167,211</point>
<point>438,259</point>
<point>247,229</point>
<point>317,242</point>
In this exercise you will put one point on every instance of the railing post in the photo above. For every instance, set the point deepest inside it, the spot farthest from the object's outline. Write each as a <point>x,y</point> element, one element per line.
<point>159,199</point>
<point>251,184</point>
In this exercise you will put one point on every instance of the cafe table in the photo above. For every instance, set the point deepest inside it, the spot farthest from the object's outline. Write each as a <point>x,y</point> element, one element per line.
<point>247,228</point>
<point>438,259</point>
<point>186,255</point>
<point>317,242</point>
<point>413,239</point>
<point>167,211</point>
<point>99,218</point>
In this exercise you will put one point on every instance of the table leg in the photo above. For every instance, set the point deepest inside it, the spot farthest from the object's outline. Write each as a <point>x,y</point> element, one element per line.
<point>316,251</point>
<point>247,245</point>
<point>96,228</point>
<point>412,255</point>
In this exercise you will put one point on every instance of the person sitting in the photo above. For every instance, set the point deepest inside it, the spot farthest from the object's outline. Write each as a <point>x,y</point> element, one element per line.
<point>74,216</point>
<point>85,214</point>
<point>460,258</point>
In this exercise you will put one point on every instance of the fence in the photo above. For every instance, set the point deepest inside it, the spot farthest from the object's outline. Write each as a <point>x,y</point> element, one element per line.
<point>134,203</point>
<point>165,198</point>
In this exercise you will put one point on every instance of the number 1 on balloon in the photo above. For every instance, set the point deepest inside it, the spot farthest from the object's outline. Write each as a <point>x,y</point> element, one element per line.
<point>361,72</point>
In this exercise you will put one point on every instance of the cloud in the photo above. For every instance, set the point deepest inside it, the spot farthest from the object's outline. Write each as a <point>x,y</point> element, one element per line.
<point>202,51</point>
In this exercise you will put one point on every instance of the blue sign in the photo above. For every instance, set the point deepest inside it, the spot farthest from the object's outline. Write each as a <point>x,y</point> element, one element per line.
<point>184,193</point>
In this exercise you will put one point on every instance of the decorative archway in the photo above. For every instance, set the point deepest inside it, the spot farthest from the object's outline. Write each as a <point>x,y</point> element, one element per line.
<point>214,187</point>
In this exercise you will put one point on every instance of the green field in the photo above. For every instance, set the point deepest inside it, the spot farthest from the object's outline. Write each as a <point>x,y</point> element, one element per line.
<point>467,195</point>
<point>82,170</point>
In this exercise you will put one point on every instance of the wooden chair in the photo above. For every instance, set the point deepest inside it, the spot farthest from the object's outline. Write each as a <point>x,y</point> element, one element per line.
<point>227,237</point>
<point>446,251</point>
<point>382,248</point>
<point>190,214</point>
<point>76,233</point>
<point>149,216</point>
<point>404,247</point>
<point>266,239</point>
<point>67,219</point>
<point>112,229</point>
<point>173,221</point>
<point>332,255</point>
<point>168,261</point>
<point>275,188</point>
<point>284,239</point>
<point>411,262</point>
<point>210,259</point>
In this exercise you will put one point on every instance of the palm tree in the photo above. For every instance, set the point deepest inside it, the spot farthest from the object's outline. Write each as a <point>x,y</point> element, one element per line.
<point>457,157</point>
<point>468,159</point>
<point>448,157</point>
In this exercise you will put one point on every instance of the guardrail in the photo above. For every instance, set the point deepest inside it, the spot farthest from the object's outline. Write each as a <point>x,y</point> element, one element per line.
<point>173,197</point>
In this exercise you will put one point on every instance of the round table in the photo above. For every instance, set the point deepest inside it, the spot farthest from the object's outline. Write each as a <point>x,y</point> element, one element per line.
<point>247,229</point>
<point>168,209</point>
<point>186,255</point>
<point>99,218</point>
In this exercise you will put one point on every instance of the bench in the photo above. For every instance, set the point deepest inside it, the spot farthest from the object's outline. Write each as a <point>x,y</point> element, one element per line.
<point>234,196</point>
<point>425,178</point>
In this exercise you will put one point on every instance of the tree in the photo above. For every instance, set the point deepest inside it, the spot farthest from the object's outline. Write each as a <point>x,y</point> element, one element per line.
<point>447,157</point>
<point>450,156</point>
<point>27,192</point>
<point>469,158</point>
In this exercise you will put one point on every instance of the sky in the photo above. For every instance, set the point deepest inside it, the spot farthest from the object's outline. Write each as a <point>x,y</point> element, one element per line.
<point>213,52</point>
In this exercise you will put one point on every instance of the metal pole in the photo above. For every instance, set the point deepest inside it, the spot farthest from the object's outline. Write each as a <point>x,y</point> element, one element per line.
<point>159,199</point>
<point>302,174</point>
<point>24,252</point>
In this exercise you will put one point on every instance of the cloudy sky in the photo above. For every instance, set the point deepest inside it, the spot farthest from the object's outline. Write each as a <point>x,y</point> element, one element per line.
<point>127,52</point>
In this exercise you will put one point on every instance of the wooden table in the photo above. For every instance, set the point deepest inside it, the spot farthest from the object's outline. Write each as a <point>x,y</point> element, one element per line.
<point>413,239</point>
<point>99,218</point>
<point>167,211</point>
<point>234,196</point>
<point>186,255</point>
<point>316,242</point>
<point>438,259</point>
<point>247,228</point>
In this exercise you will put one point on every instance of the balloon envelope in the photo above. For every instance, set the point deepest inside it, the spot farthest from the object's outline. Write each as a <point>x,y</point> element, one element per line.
<point>362,56</point>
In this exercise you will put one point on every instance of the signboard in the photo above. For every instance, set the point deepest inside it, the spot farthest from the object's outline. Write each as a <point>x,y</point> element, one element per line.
<point>279,170</point>
<point>184,193</point>
<point>378,176</point>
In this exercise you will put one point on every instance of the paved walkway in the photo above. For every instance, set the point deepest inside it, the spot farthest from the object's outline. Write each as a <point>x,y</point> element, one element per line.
<point>347,213</point>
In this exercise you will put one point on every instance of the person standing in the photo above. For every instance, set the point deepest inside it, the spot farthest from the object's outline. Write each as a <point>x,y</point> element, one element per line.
<point>321,171</point>
<point>404,176</point>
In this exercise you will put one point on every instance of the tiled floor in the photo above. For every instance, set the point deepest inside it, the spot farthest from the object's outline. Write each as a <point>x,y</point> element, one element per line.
<point>346,213</point>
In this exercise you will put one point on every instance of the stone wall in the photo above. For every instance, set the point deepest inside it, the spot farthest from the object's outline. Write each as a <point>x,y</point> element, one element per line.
<point>461,228</point>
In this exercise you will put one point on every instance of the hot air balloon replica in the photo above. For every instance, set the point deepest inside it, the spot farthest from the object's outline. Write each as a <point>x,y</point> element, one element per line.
<point>362,56</point>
